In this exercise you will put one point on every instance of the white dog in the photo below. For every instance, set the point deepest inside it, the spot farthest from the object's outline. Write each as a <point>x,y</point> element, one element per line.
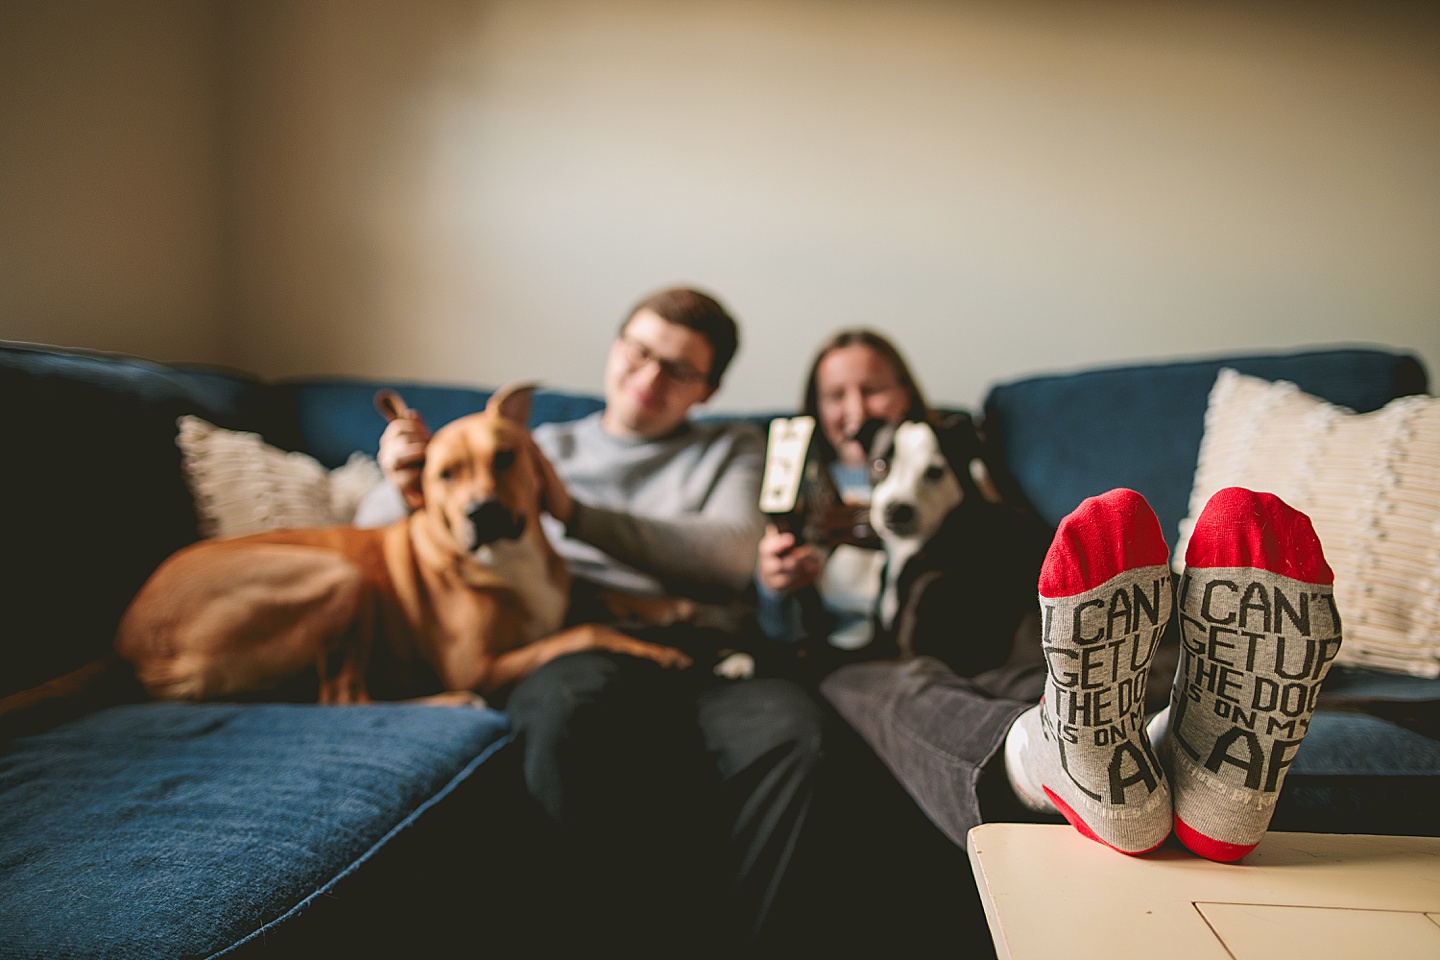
<point>908,506</point>
<point>960,563</point>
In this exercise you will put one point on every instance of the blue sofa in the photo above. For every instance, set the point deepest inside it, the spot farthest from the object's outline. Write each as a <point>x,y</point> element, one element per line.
<point>135,829</point>
<point>145,830</point>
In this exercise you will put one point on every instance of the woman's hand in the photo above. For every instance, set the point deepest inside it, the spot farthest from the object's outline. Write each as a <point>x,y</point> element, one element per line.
<point>402,455</point>
<point>783,566</point>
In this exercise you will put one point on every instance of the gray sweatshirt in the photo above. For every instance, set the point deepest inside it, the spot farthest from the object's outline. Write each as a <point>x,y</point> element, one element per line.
<point>679,515</point>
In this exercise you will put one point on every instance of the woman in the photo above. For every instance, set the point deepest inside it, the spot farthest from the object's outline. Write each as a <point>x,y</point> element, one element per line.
<point>806,591</point>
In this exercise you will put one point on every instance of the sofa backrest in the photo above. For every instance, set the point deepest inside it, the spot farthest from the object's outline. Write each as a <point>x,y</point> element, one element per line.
<point>1067,437</point>
<point>336,416</point>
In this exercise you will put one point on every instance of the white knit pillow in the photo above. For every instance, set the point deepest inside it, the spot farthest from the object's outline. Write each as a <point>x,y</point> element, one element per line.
<point>1370,482</point>
<point>243,485</point>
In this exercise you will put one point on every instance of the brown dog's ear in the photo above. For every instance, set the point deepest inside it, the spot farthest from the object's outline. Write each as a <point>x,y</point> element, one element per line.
<point>513,401</point>
<point>390,404</point>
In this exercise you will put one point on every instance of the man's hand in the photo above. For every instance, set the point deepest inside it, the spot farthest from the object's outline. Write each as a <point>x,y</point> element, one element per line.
<point>554,498</point>
<point>784,566</point>
<point>402,455</point>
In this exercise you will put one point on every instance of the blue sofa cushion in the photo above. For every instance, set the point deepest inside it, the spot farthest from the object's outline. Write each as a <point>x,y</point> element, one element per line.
<point>1357,744</point>
<point>1357,773</point>
<point>1068,437</point>
<point>173,830</point>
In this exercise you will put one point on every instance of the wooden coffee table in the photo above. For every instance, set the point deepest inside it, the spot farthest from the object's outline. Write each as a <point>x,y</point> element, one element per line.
<point>1049,893</point>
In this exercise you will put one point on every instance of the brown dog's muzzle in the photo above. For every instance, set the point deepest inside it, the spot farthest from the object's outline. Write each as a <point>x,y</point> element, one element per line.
<point>491,520</point>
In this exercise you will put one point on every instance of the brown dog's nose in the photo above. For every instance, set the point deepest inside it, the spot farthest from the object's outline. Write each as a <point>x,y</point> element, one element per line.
<point>491,521</point>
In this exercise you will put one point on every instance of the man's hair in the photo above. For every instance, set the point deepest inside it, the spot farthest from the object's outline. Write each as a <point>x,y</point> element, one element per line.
<point>701,313</point>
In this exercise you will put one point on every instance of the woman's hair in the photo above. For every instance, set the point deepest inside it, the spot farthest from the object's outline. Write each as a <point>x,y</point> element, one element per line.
<point>918,410</point>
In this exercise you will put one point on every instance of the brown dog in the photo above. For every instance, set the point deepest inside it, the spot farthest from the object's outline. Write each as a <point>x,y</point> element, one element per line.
<point>465,595</point>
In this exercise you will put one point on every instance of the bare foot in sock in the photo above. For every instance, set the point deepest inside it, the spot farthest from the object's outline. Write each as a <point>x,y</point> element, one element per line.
<point>1105,597</point>
<point>1259,630</point>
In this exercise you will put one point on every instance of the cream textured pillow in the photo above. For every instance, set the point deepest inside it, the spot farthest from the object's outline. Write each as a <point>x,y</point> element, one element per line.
<point>1370,483</point>
<point>243,485</point>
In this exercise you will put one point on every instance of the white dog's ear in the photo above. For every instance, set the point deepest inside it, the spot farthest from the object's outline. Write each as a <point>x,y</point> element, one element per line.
<point>980,474</point>
<point>964,445</point>
<point>514,401</point>
<point>877,438</point>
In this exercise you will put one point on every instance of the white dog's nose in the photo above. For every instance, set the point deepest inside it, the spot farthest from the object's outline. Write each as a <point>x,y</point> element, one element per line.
<point>900,517</point>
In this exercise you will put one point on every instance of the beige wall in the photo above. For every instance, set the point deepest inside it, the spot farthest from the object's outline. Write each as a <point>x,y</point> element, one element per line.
<point>110,216</point>
<point>475,191</point>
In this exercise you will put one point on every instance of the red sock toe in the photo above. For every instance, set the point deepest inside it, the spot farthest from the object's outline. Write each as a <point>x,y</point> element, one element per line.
<point>1243,528</point>
<point>1101,538</point>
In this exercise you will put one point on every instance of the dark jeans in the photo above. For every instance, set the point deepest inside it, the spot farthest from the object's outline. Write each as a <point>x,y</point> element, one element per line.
<point>940,734</point>
<point>678,797</point>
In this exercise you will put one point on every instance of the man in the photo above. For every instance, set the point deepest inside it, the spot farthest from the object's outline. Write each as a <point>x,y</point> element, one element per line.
<point>644,769</point>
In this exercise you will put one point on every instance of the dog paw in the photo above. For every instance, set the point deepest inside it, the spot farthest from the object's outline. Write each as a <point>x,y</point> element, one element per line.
<point>458,698</point>
<point>737,666</point>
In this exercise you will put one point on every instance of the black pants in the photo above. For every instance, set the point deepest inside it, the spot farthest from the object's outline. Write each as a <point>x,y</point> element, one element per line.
<point>678,797</point>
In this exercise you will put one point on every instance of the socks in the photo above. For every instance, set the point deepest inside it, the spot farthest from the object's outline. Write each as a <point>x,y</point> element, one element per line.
<point>1105,597</point>
<point>1259,630</point>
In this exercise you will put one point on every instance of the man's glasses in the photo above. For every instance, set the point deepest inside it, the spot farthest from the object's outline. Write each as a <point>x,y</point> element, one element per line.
<point>677,372</point>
